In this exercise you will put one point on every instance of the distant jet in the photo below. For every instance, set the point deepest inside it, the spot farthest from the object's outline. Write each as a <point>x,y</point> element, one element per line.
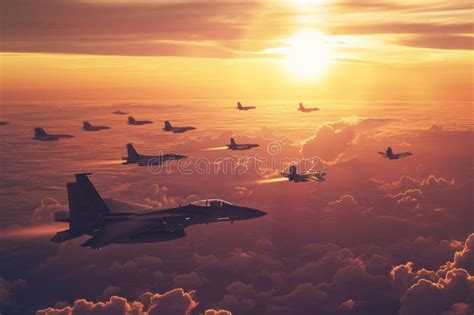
<point>307,110</point>
<point>119,112</point>
<point>295,177</point>
<point>132,121</point>
<point>88,127</point>
<point>172,129</point>
<point>41,135</point>
<point>240,107</point>
<point>235,146</point>
<point>388,154</point>
<point>133,157</point>
<point>89,214</point>
<point>3,123</point>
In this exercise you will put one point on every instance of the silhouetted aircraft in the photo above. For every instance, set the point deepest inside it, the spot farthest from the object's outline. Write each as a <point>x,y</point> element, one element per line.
<point>235,146</point>
<point>88,127</point>
<point>41,135</point>
<point>240,107</point>
<point>388,154</point>
<point>132,121</point>
<point>294,176</point>
<point>119,112</point>
<point>3,123</point>
<point>133,157</point>
<point>90,215</point>
<point>172,129</point>
<point>307,110</point>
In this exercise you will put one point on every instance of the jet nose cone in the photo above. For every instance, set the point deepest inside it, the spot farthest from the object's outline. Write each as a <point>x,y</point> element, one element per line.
<point>258,213</point>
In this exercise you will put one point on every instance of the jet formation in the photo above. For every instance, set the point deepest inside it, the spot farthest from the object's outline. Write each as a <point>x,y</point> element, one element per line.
<point>303,109</point>
<point>88,127</point>
<point>133,157</point>
<point>89,214</point>
<point>172,129</point>
<point>240,107</point>
<point>295,177</point>
<point>132,121</point>
<point>239,147</point>
<point>41,135</point>
<point>388,154</point>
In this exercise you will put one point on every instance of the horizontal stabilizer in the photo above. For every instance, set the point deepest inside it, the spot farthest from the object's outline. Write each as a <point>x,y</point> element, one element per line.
<point>65,235</point>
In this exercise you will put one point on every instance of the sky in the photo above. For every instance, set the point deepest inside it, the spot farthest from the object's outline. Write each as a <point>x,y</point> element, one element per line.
<point>332,49</point>
<point>378,236</point>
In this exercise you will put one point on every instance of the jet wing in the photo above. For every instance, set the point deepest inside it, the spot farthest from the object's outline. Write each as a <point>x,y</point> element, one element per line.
<point>404,154</point>
<point>116,231</point>
<point>116,205</point>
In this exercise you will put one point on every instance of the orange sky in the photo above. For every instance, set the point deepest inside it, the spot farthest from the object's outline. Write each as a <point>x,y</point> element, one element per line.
<point>305,49</point>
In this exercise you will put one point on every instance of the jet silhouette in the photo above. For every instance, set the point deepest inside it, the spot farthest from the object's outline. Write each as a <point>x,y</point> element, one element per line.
<point>172,129</point>
<point>303,109</point>
<point>133,157</point>
<point>388,154</point>
<point>295,177</point>
<point>3,123</point>
<point>234,146</point>
<point>90,215</point>
<point>88,127</point>
<point>119,112</point>
<point>240,107</point>
<point>41,135</point>
<point>132,121</point>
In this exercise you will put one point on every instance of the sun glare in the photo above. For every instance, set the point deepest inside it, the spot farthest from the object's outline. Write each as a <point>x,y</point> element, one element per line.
<point>308,55</point>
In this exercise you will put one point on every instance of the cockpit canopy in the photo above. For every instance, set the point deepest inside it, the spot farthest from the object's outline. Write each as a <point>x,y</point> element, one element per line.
<point>211,203</point>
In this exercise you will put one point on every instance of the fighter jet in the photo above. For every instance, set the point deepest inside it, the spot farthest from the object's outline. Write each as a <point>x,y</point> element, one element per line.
<point>235,146</point>
<point>88,127</point>
<point>388,154</point>
<point>295,177</point>
<point>119,112</point>
<point>132,121</point>
<point>172,129</point>
<point>41,135</point>
<point>90,215</point>
<point>240,107</point>
<point>3,123</point>
<point>133,157</point>
<point>307,110</point>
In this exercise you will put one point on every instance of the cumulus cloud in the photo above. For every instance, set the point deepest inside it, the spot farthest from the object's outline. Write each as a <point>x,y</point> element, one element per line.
<point>176,302</point>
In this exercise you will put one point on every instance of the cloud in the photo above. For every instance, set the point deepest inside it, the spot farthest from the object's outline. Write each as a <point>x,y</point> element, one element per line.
<point>454,42</point>
<point>176,302</point>
<point>447,289</point>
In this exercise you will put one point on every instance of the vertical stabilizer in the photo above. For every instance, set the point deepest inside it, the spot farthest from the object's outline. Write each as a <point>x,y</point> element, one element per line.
<point>86,206</point>
<point>133,155</point>
<point>39,133</point>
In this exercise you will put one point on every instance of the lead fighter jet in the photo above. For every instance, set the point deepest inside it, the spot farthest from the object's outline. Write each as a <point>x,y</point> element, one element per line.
<point>133,157</point>
<point>40,134</point>
<point>234,146</point>
<point>132,121</point>
<point>89,214</point>
<point>295,177</point>
<point>240,107</point>
<point>388,154</point>
<point>172,129</point>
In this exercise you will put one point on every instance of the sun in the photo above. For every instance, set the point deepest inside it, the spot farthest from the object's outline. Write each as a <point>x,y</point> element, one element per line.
<point>308,55</point>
